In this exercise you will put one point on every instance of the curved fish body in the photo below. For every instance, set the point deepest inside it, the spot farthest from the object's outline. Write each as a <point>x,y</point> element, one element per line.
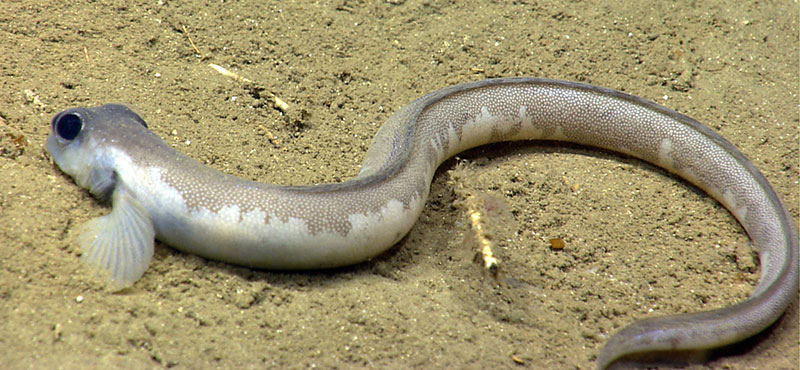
<point>157,192</point>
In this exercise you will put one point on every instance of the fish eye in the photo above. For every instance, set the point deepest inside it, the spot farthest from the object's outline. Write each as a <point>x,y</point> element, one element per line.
<point>68,125</point>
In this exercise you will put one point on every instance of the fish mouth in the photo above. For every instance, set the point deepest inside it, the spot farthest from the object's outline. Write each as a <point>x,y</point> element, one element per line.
<point>63,161</point>
<point>54,149</point>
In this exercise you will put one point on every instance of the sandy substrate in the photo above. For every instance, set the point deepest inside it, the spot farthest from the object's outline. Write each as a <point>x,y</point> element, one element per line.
<point>639,242</point>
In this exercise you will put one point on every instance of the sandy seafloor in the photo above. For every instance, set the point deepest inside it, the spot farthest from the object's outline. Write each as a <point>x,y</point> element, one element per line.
<point>639,242</point>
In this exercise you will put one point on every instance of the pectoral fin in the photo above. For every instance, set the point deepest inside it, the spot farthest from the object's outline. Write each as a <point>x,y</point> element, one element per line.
<point>119,246</point>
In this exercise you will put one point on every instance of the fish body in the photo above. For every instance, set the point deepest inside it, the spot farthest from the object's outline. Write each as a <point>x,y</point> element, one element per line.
<point>158,192</point>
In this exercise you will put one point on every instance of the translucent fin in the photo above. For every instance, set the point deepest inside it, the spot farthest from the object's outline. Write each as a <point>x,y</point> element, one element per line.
<point>119,246</point>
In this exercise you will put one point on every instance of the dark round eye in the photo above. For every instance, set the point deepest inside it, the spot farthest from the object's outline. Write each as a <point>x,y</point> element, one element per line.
<point>68,126</point>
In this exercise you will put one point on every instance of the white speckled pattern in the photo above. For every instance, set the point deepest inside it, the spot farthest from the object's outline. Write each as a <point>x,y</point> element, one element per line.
<point>197,209</point>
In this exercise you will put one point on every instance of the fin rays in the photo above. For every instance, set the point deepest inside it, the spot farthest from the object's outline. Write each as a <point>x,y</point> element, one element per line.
<point>119,246</point>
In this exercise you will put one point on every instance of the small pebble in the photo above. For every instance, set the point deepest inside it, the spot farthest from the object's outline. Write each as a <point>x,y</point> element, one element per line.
<point>557,244</point>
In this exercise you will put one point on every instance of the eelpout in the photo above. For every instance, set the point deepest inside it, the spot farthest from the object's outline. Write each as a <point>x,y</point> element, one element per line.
<point>157,192</point>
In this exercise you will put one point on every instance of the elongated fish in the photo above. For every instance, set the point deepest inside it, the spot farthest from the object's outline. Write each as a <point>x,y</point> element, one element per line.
<point>157,192</point>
